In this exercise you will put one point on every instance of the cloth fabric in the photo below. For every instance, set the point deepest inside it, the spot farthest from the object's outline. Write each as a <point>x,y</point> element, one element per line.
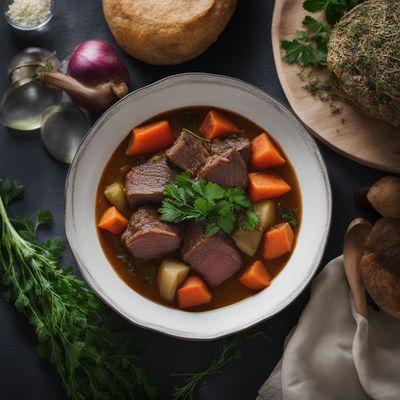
<point>334,353</point>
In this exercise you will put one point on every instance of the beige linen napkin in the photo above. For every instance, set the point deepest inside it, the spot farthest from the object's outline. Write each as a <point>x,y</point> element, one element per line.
<point>334,353</point>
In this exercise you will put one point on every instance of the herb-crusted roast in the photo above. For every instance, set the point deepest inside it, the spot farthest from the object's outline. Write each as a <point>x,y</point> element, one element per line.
<point>364,55</point>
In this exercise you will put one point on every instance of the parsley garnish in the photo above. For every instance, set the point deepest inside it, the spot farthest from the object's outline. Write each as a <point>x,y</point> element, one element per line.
<point>310,46</point>
<point>213,206</point>
<point>92,360</point>
<point>288,214</point>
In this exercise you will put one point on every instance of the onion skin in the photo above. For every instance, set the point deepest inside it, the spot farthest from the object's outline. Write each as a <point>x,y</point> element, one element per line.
<point>96,78</point>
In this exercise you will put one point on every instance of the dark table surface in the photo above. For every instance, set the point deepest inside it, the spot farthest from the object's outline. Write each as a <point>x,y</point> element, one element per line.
<point>243,51</point>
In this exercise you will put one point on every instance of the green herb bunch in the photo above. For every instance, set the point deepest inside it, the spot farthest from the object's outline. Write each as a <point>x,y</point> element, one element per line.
<point>214,207</point>
<point>310,47</point>
<point>92,360</point>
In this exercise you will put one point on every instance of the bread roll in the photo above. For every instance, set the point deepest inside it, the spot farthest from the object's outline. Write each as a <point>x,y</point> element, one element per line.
<point>167,31</point>
<point>380,265</point>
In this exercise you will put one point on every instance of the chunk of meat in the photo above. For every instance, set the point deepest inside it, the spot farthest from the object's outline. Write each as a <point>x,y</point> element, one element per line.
<point>148,237</point>
<point>188,153</point>
<point>240,143</point>
<point>145,182</point>
<point>228,170</point>
<point>214,258</point>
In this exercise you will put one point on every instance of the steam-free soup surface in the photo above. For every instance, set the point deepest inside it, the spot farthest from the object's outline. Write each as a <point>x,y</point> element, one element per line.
<point>141,275</point>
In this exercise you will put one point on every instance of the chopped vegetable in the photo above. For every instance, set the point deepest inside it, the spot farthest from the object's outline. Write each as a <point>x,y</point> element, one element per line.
<point>150,138</point>
<point>217,125</point>
<point>266,185</point>
<point>193,292</point>
<point>113,222</point>
<point>93,360</point>
<point>256,276</point>
<point>288,214</point>
<point>278,241</point>
<point>213,206</point>
<point>263,153</point>
<point>266,211</point>
<point>116,196</point>
<point>247,241</point>
<point>170,276</point>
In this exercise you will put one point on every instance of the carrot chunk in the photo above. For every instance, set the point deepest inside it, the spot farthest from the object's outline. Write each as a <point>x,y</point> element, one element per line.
<point>150,138</point>
<point>113,222</point>
<point>266,185</point>
<point>217,125</point>
<point>264,154</point>
<point>193,292</point>
<point>256,276</point>
<point>278,241</point>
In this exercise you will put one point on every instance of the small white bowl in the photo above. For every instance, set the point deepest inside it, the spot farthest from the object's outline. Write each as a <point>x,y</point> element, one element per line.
<point>177,92</point>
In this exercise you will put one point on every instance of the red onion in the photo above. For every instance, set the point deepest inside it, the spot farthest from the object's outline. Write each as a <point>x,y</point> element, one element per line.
<point>97,76</point>
<point>94,62</point>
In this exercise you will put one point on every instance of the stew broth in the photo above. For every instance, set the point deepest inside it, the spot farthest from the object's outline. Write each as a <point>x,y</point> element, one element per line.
<point>140,275</point>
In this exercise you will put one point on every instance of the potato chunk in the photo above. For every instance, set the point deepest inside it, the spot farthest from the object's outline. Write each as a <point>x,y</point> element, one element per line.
<point>116,196</point>
<point>247,241</point>
<point>171,275</point>
<point>266,210</point>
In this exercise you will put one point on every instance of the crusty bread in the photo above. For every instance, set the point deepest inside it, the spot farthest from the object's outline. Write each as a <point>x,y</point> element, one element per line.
<point>167,31</point>
<point>380,265</point>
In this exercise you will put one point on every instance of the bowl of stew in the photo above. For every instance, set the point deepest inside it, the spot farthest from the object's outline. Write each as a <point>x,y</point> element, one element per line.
<point>198,206</point>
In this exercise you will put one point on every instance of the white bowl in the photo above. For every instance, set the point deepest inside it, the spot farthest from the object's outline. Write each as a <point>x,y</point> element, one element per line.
<point>168,94</point>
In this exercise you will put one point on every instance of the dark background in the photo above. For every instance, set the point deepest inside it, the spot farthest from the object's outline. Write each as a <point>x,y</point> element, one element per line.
<point>243,51</point>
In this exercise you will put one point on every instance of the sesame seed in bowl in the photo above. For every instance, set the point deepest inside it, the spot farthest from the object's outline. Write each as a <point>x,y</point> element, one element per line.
<point>28,14</point>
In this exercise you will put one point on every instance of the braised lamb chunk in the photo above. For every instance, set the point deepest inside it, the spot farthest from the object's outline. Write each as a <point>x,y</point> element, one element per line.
<point>214,258</point>
<point>148,237</point>
<point>227,170</point>
<point>188,153</point>
<point>240,143</point>
<point>145,183</point>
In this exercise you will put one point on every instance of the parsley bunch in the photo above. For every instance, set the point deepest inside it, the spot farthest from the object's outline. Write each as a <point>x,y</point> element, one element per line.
<point>92,360</point>
<point>214,207</point>
<point>310,46</point>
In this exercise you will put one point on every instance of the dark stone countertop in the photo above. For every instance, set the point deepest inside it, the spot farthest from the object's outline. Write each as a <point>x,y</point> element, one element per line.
<point>243,51</point>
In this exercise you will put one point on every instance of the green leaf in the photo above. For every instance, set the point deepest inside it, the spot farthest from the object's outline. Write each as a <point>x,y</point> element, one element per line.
<point>296,51</point>
<point>314,26</point>
<point>288,214</point>
<point>203,205</point>
<point>316,5</point>
<point>54,246</point>
<point>9,190</point>
<point>213,191</point>
<point>43,217</point>
<point>252,221</point>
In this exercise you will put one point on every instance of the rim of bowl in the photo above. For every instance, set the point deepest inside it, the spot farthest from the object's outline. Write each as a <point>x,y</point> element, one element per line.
<point>28,27</point>
<point>253,90</point>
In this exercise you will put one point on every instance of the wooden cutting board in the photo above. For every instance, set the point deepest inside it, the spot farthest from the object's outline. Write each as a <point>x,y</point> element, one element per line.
<point>349,132</point>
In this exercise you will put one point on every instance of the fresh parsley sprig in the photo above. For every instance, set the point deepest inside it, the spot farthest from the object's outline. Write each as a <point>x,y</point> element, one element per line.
<point>213,206</point>
<point>310,46</point>
<point>93,360</point>
<point>228,352</point>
